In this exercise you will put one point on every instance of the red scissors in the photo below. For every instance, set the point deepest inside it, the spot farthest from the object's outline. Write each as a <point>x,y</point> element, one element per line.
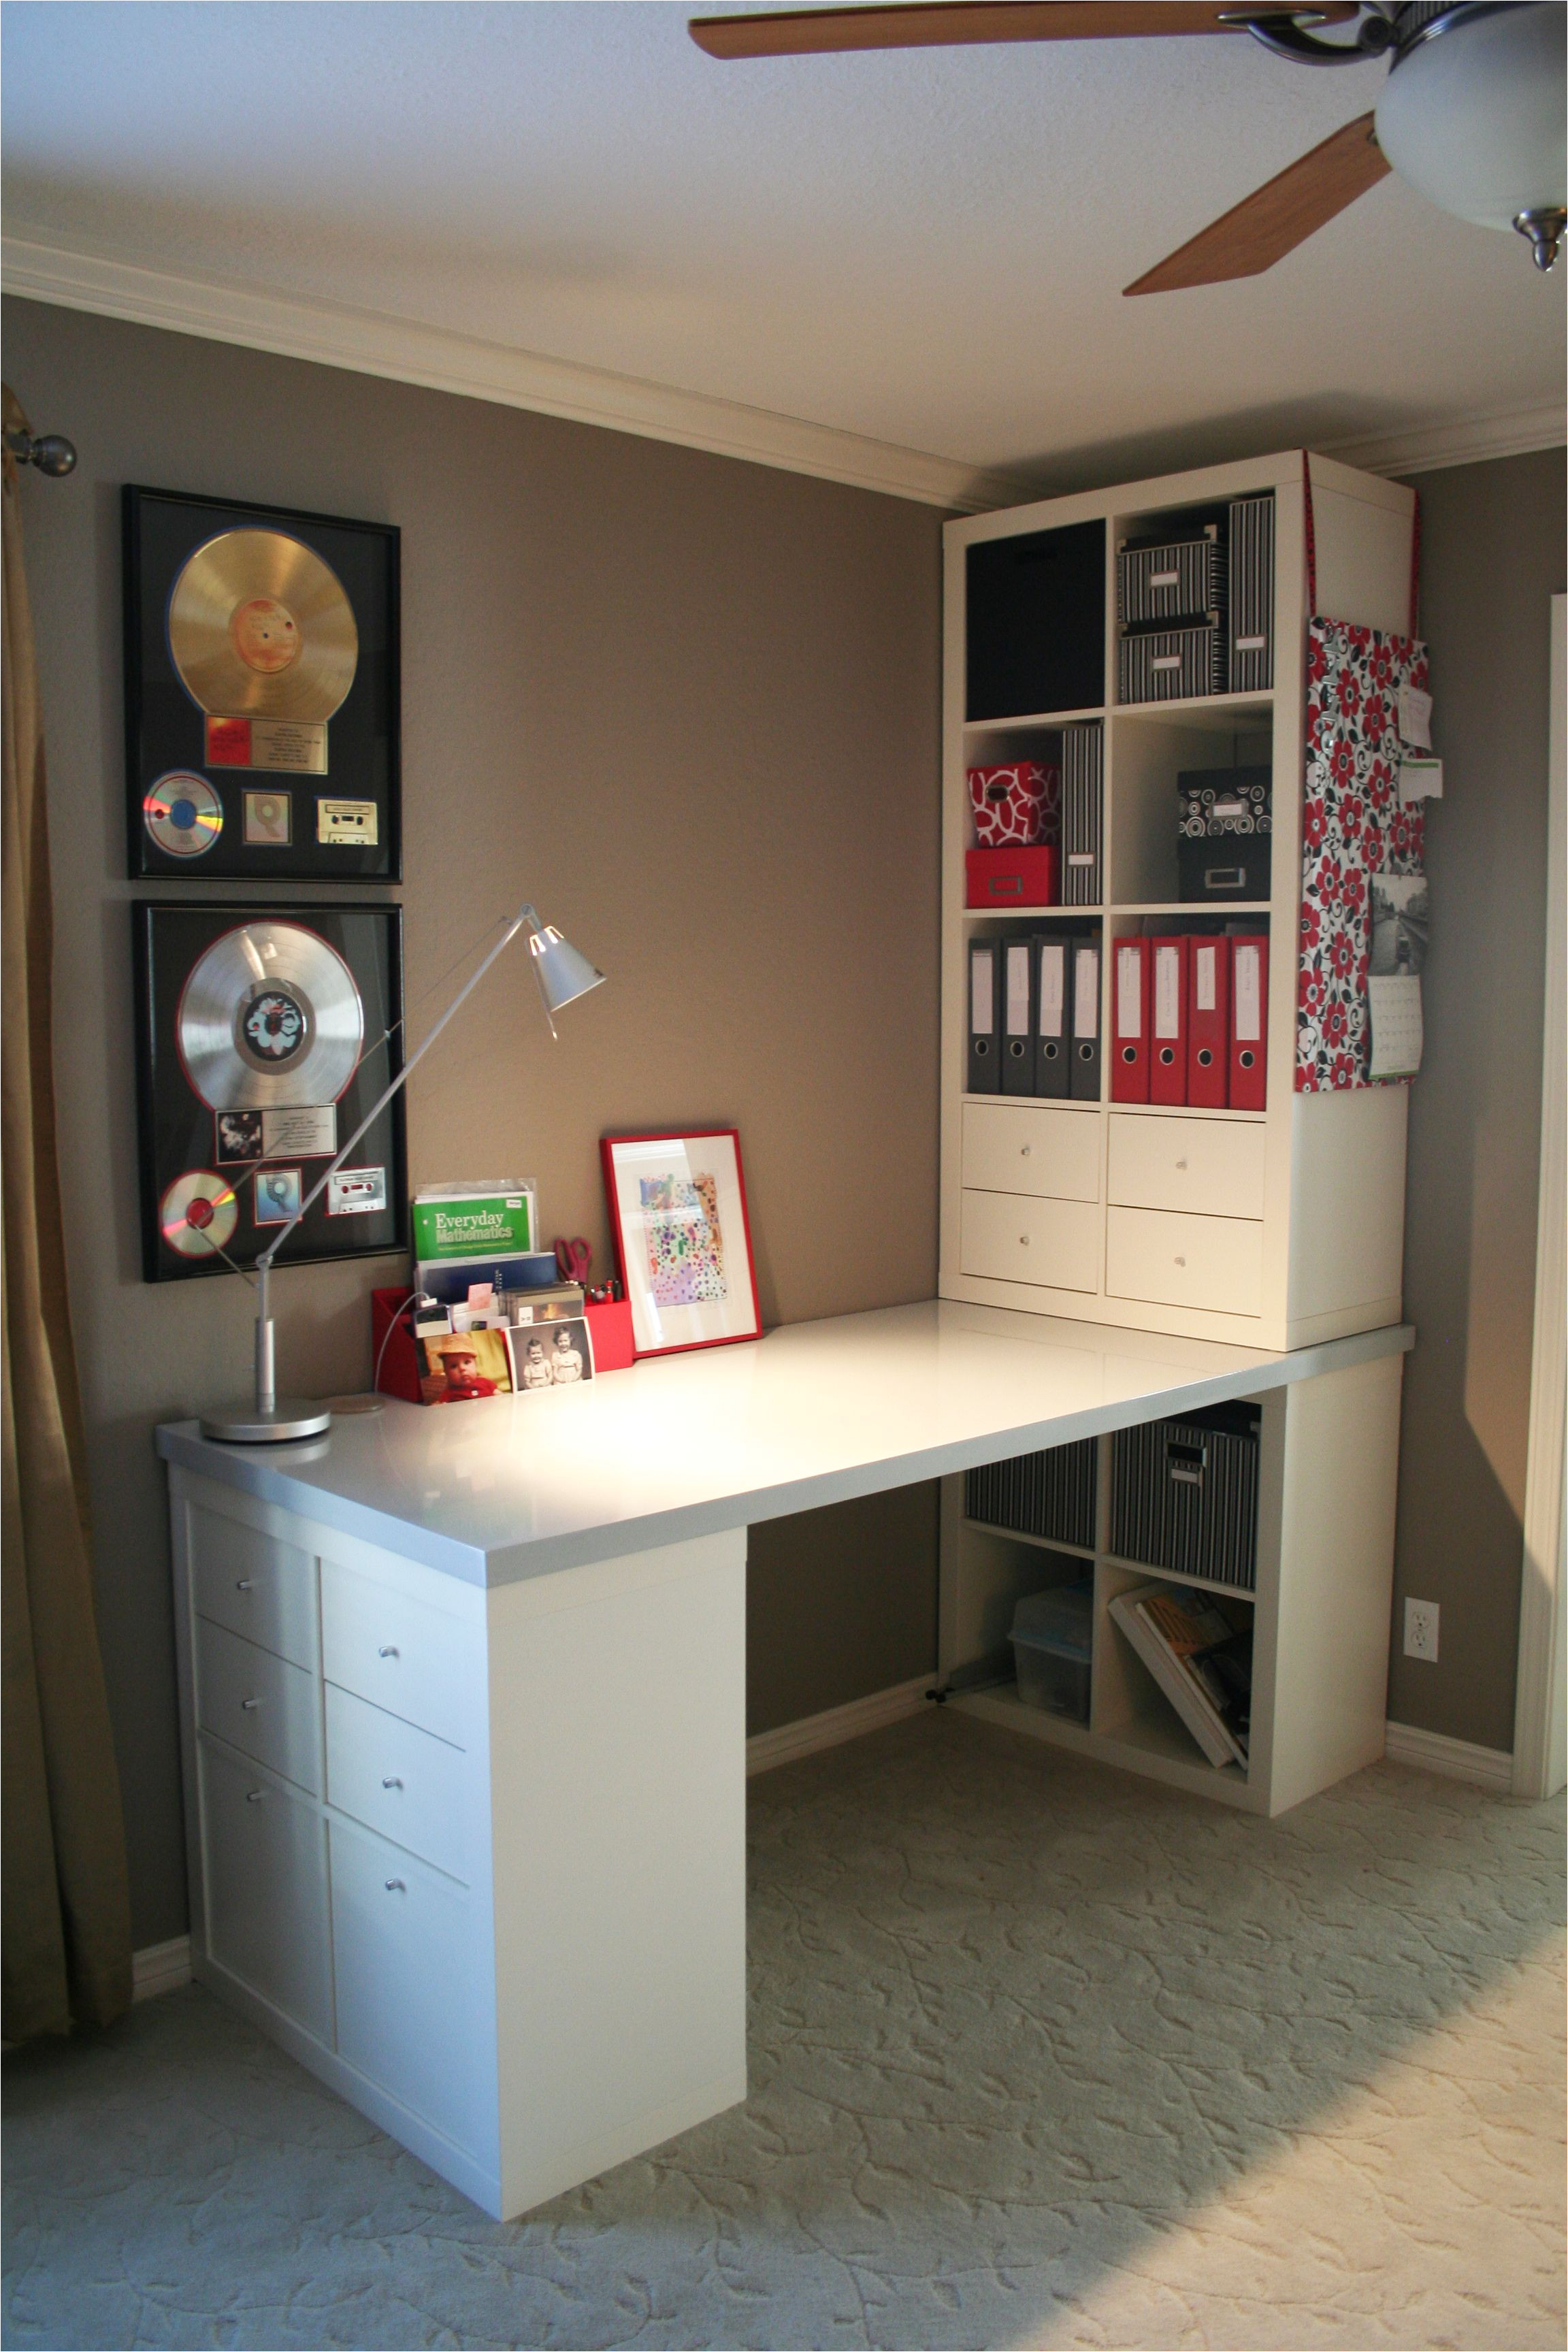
<point>572,1260</point>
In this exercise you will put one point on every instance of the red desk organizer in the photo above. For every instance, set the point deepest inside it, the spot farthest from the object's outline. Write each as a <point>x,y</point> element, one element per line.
<point>609,1327</point>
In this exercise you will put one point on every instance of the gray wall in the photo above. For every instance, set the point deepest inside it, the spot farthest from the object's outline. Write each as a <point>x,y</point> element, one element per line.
<point>1492,539</point>
<point>692,707</point>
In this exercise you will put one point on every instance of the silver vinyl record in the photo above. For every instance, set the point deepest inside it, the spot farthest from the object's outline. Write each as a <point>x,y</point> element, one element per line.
<point>269,1019</point>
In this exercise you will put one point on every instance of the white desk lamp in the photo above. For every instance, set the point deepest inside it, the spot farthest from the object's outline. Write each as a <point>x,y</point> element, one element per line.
<point>562,974</point>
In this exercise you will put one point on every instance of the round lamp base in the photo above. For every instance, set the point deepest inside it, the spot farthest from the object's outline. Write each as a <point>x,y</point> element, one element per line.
<point>243,1425</point>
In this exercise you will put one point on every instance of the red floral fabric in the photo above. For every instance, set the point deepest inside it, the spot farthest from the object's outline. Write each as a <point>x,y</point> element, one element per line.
<point>1352,826</point>
<point>1020,805</point>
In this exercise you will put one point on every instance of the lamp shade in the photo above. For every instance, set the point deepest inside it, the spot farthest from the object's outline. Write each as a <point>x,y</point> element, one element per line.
<point>1472,115</point>
<point>562,974</point>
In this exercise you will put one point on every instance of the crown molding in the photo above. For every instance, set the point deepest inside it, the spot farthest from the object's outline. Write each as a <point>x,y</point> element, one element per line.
<point>1458,441</point>
<point>371,343</point>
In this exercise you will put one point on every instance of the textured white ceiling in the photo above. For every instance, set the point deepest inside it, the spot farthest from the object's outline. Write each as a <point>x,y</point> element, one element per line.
<point>927,248</point>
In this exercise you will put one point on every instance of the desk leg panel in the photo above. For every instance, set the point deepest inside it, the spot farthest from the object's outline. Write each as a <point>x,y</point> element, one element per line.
<point>617,1781</point>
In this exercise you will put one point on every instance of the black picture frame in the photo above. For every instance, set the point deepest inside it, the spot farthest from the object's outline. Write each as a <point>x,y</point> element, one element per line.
<point>184,1134</point>
<point>168,735</point>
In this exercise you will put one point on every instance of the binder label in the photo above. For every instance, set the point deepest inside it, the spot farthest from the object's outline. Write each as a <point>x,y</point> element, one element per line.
<point>981,1016</point>
<point>1019,991</point>
<point>1249,996</point>
<point>1128,994</point>
<point>1204,961</point>
<point>1167,992</point>
<point>1085,992</point>
<point>1053,978</point>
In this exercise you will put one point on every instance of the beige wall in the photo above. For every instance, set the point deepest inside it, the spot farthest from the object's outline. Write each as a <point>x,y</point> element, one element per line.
<point>687,704</point>
<point>1491,557</point>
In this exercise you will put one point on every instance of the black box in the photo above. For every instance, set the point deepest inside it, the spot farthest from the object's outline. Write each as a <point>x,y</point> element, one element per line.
<point>1184,1495</point>
<point>1035,622</point>
<point>1225,820</point>
<point>1049,1494</point>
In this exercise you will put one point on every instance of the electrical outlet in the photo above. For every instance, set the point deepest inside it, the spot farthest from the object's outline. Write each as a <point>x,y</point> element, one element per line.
<point>1421,1631</point>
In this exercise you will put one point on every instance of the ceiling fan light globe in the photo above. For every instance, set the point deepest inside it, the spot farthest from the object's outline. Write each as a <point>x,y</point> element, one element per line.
<point>1472,116</point>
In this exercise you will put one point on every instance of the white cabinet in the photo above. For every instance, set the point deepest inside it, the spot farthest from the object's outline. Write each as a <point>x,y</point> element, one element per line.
<point>1015,1238</point>
<point>1022,1148</point>
<point>1212,1166</point>
<point>264,1873</point>
<point>258,1587</point>
<point>402,1654</point>
<point>1214,1264</point>
<point>412,1787</point>
<point>259,1704</point>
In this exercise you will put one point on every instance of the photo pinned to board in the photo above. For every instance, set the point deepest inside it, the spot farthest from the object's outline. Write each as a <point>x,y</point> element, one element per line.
<point>1400,911</point>
<point>678,1209</point>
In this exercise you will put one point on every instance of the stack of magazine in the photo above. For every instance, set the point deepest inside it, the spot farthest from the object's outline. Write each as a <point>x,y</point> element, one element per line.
<point>1200,1660</point>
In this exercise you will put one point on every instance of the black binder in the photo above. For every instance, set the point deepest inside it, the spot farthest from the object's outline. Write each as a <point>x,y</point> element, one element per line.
<point>983,1013</point>
<point>1086,1041</point>
<point>1017,1042</point>
<point>1053,1013</point>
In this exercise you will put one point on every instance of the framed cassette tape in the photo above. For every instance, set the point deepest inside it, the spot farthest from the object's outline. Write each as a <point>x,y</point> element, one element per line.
<point>263,1037</point>
<point>262,692</point>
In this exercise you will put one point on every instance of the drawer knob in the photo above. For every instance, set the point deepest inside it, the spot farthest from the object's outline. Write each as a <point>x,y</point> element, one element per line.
<point>1025,1150</point>
<point>1023,1241</point>
<point>1181,1163</point>
<point>392,1782</point>
<point>243,1584</point>
<point>397,1887</point>
<point>249,1706</point>
<point>388,1652</point>
<point>1181,1261</point>
<point>254,1796</point>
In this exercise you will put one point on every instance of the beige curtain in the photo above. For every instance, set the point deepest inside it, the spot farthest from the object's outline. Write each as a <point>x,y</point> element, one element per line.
<point>66,1918</point>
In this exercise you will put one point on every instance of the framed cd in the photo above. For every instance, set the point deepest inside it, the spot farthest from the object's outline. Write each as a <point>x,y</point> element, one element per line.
<point>262,692</point>
<point>263,1037</point>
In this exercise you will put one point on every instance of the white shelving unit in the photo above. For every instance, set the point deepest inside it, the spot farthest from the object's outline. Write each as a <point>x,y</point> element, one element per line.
<point>1156,1218</point>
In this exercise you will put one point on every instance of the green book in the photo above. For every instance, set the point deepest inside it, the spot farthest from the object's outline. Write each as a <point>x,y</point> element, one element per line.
<point>473,1221</point>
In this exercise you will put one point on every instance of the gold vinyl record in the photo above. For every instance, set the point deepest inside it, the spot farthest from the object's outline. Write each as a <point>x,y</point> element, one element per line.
<point>197,1214</point>
<point>269,1019</point>
<point>259,627</point>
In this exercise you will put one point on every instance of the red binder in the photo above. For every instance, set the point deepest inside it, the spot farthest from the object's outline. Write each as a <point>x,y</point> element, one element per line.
<point>1130,1021</point>
<point>1168,1019</point>
<point>1208,1022</point>
<point>1249,1024</point>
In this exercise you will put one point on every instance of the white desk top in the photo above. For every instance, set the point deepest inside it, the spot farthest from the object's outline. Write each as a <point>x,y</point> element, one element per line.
<point>691,1444</point>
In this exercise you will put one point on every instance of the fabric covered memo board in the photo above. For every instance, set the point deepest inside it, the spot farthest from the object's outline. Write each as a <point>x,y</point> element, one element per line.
<point>1353,825</point>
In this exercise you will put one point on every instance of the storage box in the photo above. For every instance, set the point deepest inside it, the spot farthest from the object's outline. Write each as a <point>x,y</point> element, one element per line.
<point>1180,581</point>
<point>1050,1494</point>
<point>1225,818</point>
<point>610,1327</point>
<point>1184,1495</point>
<point>1052,1640</point>
<point>1170,665</point>
<point>1011,878</point>
<point>1018,804</point>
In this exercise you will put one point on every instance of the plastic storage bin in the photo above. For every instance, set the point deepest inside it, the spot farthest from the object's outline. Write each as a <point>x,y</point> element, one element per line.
<point>1052,1640</point>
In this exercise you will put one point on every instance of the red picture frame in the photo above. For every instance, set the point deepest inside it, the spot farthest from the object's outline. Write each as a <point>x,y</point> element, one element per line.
<point>682,1235</point>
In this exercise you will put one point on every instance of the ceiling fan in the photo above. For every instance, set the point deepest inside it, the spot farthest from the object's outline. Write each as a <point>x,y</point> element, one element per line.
<point>1472,113</point>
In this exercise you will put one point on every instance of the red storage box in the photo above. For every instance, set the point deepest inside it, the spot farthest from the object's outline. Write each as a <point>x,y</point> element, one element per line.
<point>1011,878</point>
<point>610,1328</point>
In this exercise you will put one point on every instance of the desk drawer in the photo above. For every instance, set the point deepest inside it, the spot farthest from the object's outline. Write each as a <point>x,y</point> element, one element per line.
<point>1209,1262</point>
<point>1020,1148</point>
<point>411,1660</point>
<point>255,1585</point>
<point>1208,1167</point>
<point>1012,1238</point>
<point>415,2004</point>
<point>260,1704</point>
<point>405,1782</point>
<point>263,1870</point>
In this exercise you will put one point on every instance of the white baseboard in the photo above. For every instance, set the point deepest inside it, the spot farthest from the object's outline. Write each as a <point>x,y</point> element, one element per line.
<point>836,1725</point>
<point>161,1968</point>
<point>1457,1759</point>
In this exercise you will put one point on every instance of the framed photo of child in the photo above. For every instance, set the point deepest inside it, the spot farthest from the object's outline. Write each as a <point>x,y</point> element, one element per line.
<point>462,1366</point>
<point>678,1211</point>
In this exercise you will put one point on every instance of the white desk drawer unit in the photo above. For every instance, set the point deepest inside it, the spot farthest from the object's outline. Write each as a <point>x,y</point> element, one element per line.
<point>255,1585</point>
<point>1025,1148</point>
<point>416,1662</point>
<point>1210,1168</point>
<point>264,1873</point>
<point>1013,1238</point>
<point>1182,1261</point>
<point>405,1782</point>
<point>259,1702</point>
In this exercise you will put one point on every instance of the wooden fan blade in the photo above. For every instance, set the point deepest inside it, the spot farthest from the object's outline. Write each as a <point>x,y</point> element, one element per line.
<point>945,23</point>
<point>1276,218</point>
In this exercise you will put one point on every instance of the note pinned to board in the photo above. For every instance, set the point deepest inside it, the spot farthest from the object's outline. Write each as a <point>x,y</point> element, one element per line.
<point>1394,1004</point>
<point>1416,718</point>
<point>1420,778</point>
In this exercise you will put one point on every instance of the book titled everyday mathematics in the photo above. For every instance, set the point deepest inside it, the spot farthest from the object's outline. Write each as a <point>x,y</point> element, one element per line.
<point>492,1216</point>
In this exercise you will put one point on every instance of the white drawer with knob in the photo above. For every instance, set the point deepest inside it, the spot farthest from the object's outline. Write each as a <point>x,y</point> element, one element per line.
<point>416,2008</point>
<point>405,1782</point>
<point>1178,1261</point>
<point>1025,1148</point>
<point>259,1702</point>
<point>1012,1238</point>
<point>1211,1166</point>
<point>264,1888</point>
<point>416,1662</point>
<point>254,1584</point>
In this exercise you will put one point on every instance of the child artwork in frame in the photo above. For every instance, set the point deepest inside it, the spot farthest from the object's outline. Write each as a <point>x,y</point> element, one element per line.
<point>678,1210</point>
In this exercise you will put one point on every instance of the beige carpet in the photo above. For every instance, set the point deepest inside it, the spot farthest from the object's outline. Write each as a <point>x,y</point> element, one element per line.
<point>1040,2056</point>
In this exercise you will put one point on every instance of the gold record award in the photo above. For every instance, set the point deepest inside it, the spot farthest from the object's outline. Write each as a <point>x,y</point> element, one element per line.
<point>259,627</point>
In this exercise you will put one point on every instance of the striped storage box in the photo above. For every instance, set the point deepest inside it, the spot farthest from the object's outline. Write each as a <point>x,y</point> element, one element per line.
<point>1167,665</point>
<point>1083,813</point>
<point>1049,1494</point>
<point>1184,582</point>
<point>1184,1496</point>
<point>1251,609</point>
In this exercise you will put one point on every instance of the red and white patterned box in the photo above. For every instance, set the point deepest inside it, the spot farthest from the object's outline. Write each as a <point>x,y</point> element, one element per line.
<point>1016,806</point>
